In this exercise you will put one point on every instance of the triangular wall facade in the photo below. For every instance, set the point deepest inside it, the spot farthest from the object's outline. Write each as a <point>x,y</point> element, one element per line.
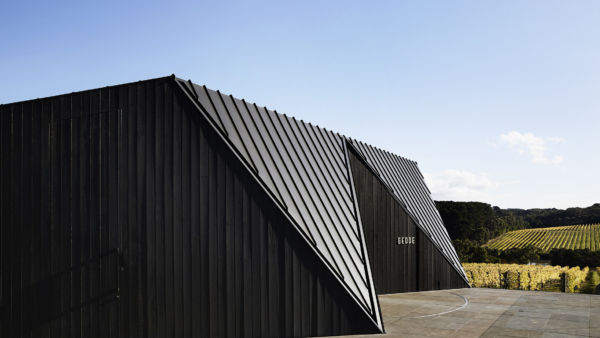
<point>404,180</point>
<point>402,257</point>
<point>304,170</point>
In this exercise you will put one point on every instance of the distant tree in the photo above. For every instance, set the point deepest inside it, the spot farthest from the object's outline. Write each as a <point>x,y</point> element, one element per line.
<point>472,224</point>
<point>581,258</point>
<point>538,218</point>
<point>467,220</point>
<point>482,222</point>
<point>477,221</point>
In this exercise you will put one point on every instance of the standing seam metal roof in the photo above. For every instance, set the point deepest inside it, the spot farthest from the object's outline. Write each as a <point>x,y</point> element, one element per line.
<point>304,167</point>
<point>306,170</point>
<point>408,185</point>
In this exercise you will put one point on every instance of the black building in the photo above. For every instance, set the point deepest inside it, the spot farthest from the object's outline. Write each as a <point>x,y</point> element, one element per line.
<point>164,209</point>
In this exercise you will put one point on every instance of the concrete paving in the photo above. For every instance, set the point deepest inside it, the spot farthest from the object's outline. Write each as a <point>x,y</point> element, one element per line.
<point>490,313</point>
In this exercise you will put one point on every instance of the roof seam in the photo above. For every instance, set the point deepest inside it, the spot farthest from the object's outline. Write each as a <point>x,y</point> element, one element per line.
<point>371,313</point>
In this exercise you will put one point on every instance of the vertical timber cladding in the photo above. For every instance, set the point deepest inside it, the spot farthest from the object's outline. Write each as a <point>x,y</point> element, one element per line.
<point>65,201</point>
<point>389,232</point>
<point>434,271</point>
<point>123,215</point>
<point>403,259</point>
<point>74,211</point>
<point>251,273</point>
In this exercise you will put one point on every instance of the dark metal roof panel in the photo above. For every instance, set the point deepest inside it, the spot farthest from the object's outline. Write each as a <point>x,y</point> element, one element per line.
<point>303,167</point>
<point>407,183</point>
<point>332,229</point>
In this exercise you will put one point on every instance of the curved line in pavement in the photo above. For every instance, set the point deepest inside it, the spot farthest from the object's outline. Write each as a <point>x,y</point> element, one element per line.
<point>449,311</point>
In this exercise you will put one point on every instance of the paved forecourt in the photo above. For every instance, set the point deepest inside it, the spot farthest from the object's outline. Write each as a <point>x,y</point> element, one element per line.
<point>490,313</point>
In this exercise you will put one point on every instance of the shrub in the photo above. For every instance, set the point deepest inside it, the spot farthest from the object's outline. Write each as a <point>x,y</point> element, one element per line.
<point>574,278</point>
<point>515,276</point>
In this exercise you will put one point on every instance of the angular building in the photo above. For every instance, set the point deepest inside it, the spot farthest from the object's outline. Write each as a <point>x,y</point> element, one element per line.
<point>161,208</point>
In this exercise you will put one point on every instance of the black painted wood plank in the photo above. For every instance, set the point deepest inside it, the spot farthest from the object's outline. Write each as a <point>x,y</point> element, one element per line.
<point>297,296</point>
<point>255,224</point>
<point>5,216</point>
<point>25,200</point>
<point>53,297</point>
<point>168,209</point>
<point>263,267</point>
<point>112,209</point>
<point>129,97</point>
<point>105,327</point>
<point>238,278</point>
<point>44,213</point>
<point>273,273</point>
<point>213,229</point>
<point>186,265</point>
<point>159,185</point>
<point>135,230</point>
<point>94,216</point>
<point>177,220</point>
<point>247,266</point>
<point>146,300</point>
<point>228,254</point>
<point>123,114</point>
<point>289,288</point>
<point>197,301</point>
<point>75,207</point>
<point>205,200</point>
<point>220,255</point>
<point>3,224</point>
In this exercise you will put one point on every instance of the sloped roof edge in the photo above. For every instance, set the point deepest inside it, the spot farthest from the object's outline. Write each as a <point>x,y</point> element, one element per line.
<point>400,175</point>
<point>405,207</point>
<point>374,314</point>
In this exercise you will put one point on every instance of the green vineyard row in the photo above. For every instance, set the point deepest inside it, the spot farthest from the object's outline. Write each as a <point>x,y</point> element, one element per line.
<point>585,236</point>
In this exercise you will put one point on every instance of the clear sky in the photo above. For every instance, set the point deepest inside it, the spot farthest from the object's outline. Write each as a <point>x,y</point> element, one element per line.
<point>498,101</point>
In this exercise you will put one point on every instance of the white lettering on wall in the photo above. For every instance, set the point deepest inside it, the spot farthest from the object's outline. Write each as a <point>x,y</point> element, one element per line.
<point>406,240</point>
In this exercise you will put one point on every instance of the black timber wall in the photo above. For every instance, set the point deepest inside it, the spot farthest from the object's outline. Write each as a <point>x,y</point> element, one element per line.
<point>435,273</point>
<point>397,268</point>
<point>394,267</point>
<point>69,209</point>
<point>123,215</point>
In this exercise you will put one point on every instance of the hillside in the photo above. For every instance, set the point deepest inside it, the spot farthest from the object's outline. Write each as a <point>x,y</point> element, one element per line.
<point>571,237</point>
<point>480,222</point>
<point>539,218</point>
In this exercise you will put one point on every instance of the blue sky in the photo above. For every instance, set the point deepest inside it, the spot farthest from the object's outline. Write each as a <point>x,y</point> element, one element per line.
<point>498,101</point>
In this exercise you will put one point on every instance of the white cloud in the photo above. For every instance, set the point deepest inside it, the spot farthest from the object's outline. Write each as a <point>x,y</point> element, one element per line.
<point>536,147</point>
<point>461,185</point>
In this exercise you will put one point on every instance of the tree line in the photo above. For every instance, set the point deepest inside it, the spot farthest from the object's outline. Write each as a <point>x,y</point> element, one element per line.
<point>471,252</point>
<point>481,222</point>
<point>472,224</point>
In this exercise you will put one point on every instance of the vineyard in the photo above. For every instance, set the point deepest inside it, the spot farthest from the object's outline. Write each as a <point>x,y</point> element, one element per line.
<point>571,237</point>
<point>531,277</point>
